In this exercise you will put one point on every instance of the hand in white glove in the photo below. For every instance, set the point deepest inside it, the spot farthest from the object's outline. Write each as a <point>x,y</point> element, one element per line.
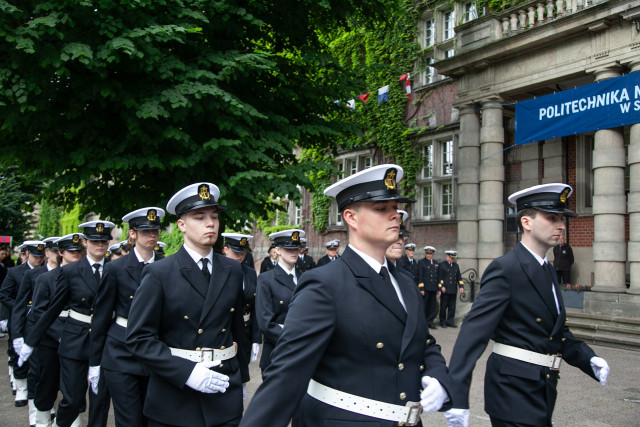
<point>17,344</point>
<point>3,325</point>
<point>255,349</point>
<point>433,396</point>
<point>206,381</point>
<point>600,369</point>
<point>25,353</point>
<point>244,392</point>
<point>457,417</point>
<point>94,378</point>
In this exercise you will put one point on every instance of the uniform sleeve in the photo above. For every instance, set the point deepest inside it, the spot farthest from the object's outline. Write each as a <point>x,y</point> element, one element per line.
<point>265,312</point>
<point>58,301</point>
<point>576,353</point>
<point>145,318</point>
<point>19,314</point>
<point>237,329</point>
<point>103,307</point>
<point>41,298</point>
<point>8,290</point>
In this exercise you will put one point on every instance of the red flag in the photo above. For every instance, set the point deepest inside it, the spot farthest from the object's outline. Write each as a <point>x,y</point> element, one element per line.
<point>364,98</point>
<point>408,87</point>
<point>404,76</point>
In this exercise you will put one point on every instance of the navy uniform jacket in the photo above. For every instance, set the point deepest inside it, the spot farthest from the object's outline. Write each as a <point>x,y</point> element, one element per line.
<point>449,277</point>
<point>9,288</point>
<point>305,263</point>
<point>76,287</point>
<point>119,283</point>
<point>176,307</point>
<point>43,291</point>
<point>344,333</point>
<point>515,306</point>
<point>275,290</point>
<point>326,260</point>
<point>251,329</point>
<point>20,325</point>
<point>267,264</point>
<point>411,267</point>
<point>428,275</point>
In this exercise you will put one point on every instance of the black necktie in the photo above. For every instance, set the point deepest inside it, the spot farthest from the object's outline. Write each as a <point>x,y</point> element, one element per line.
<point>390,294</point>
<point>205,269</point>
<point>552,276</point>
<point>292,279</point>
<point>96,272</point>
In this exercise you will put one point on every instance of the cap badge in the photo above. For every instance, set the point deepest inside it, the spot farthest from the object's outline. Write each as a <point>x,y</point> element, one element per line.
<point>243,241</point>
<point>203,192</point>
<point>40,247</point>
<point>156,248</point>
<point>152,215</point>
<point>99,227</point>
<point>390,179</point>
<point>295,236</point>
<point>563,195</point>
<point>75,238</point>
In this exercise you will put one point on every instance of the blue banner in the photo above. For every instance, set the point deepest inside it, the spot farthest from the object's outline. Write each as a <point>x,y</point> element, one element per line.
<point>606,104</point>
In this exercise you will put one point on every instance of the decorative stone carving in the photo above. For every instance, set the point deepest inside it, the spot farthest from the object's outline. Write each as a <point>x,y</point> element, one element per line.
<point>532,16</point>
<point>549,9</point>
<point>540,13</point>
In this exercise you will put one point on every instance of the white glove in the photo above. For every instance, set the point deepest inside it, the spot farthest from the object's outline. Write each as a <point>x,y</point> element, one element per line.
<point>17,344</point>
<point>206,381</point>
<point>94,378</point>
<point>25,353</point>
<point>3,325</point>
<point>244,392</point>
<point>255,349</point>
<point>433,396</point>
<point>600,369</point>
<point>457,417</point>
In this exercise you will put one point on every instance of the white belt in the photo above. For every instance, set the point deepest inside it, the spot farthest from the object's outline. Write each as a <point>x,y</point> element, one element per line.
<point>79,316</point>
<point>64,313</point>
<point>550,361</point>
<point>121,321</point>
<point>206,354</point>
<point>408,415</point>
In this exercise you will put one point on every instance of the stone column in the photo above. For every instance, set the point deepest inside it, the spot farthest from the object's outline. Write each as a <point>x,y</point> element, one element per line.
<point>554,161</point>
<point>491,206</point>
<point>633,204</point>
<point>468,187</point>
<point>609,204</point>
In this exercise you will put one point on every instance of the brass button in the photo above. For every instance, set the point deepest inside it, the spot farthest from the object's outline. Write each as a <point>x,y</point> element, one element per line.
<point>254,294</point>
<point>550,338</point>
<point>403,395</point>
<point>548,376</point>
<point>223,330</point>
<point>379,345</point>
<point>248,305</point>
<point>91,309</point>
<point>538,320</point>
<point>222,348</point>
<point>564,339</point>
<point>89,329</point>
<point>558,376</point>
<point>198,349</point>
<point>400,366</point>
<point>29,302</point>
<point>281,302</point>
<point>200,331</point>
<point>83,300</point>
<point>232,309</point>
<point>421,368</point>
<point>221,365</point>
<point>186,317</point>
<point>429,341</point>
<point>130,296</point>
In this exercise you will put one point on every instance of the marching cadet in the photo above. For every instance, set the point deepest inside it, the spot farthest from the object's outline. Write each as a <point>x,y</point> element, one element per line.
<point>275,289</point>
<point>355,338</point>
<point>305,261</point>
<point>48,378</point>
<point>113,253</point>
<point>236,246</point>
<point>270,261</point>
<point>428,283</point>
<point>185,323</point>
<point>450,282</point>
<point>159,250</point>
<point>408,263</point>
<point>332,248</point>
<point>20,325</point>
<point>520,307</point>
<point>125,247</point>
<point>76,287</point>
<point>125,376</point>
<point>34,250</point>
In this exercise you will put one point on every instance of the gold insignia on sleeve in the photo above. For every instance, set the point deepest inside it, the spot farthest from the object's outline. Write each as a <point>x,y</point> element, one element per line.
<point>99,227</point>
<point>295,236</point>
<point>203,192</point>
<point>390,179</point>
<point>564,194</point>
<point>152,215</point>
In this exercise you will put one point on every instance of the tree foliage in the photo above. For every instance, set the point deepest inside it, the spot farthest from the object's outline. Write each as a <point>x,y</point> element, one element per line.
<point>16,202</point>
<point>121,103</point>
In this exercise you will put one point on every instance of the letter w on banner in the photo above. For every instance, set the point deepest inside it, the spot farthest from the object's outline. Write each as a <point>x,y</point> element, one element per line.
<point>603,105</point>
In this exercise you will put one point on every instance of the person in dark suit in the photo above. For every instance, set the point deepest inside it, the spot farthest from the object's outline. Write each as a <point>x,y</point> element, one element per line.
<point>332,247</point>
<point>428,283</point>
<point>450,283</point>
<point>8,292</point>
<point>305,261</point>
<point>125,376</point>
<point>185,323</point>
<point>563,260</point>
<point>48,377</point>
<point>408,263</point>
<point>520,307</point>
<point>355,328</point>
<point>20,325</point>
<point>275,289</point>
<point>269,262</point>
<point>236,246</point>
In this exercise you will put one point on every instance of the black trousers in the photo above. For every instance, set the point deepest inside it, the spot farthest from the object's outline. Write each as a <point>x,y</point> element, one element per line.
<point>48,382</point>
<point>74,384</point>
<point>430,303</point>
<point>33,373</point>
<point>231,423</point>
<point>563,276</point>
<point>127,394</point>
<point>495,422</point>
<point>447,308</point>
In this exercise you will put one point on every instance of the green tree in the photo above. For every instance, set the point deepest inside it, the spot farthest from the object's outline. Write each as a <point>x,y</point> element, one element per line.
<point>128,101</point>
<point>16,202</point>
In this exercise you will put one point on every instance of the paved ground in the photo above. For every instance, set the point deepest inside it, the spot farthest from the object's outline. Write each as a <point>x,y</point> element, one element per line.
<point>581,402</point>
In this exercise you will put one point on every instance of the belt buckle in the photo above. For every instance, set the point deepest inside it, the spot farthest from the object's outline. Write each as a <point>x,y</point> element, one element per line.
<point>555,364</point>
<point>204,351</point>
<point>413,416</point>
